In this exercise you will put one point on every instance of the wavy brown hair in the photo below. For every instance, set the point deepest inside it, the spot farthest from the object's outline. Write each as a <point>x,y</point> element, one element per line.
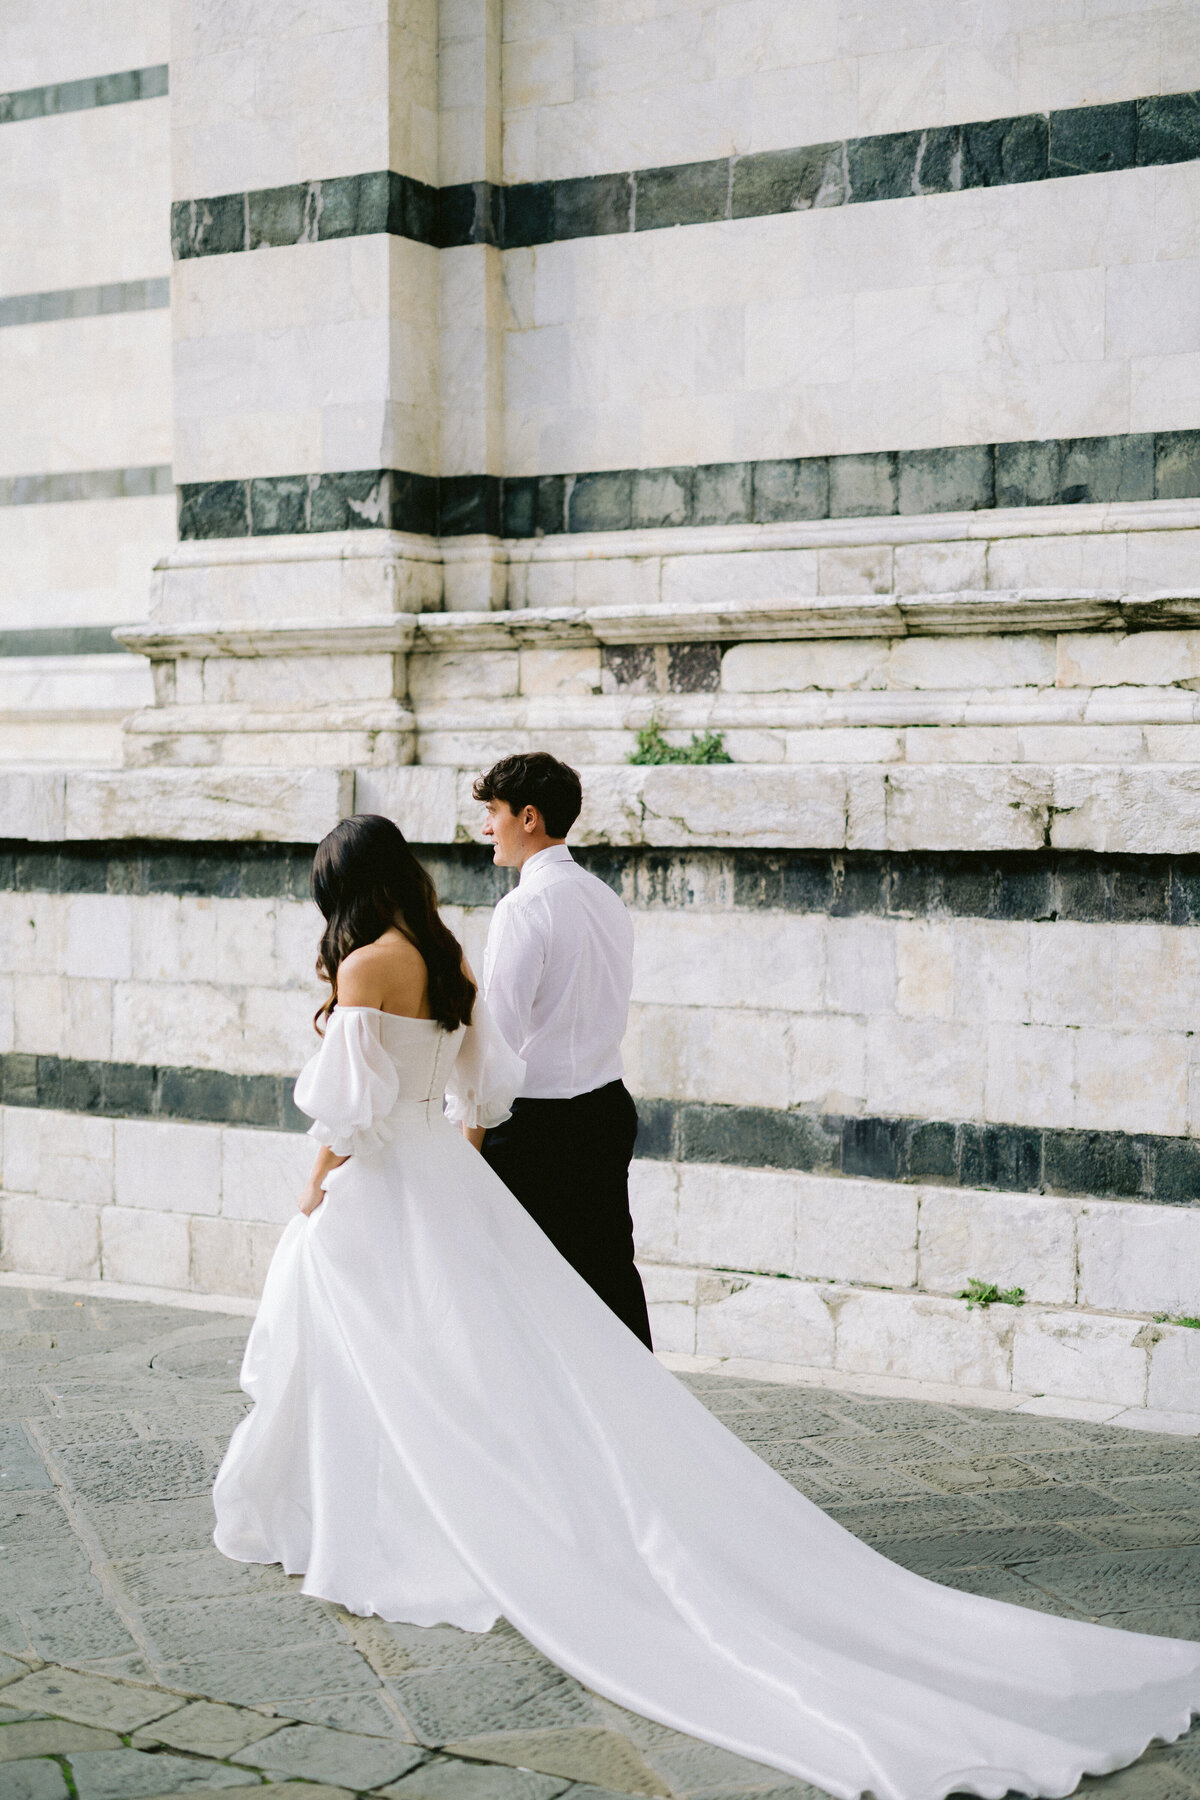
<point>365,880</point>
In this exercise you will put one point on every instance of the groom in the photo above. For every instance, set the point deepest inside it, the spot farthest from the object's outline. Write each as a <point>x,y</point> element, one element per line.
<point>557,976</point>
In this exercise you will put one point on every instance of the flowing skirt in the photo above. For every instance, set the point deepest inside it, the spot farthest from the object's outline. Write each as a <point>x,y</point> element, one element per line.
<point>450,1427</point>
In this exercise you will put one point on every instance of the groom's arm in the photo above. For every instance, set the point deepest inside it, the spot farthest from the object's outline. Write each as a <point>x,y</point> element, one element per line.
<point>516,955</point>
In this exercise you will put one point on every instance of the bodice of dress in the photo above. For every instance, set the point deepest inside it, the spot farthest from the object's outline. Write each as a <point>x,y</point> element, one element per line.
<point>376,1069</point>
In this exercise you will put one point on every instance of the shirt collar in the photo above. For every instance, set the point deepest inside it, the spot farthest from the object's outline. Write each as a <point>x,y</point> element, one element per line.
<point>553,853</point>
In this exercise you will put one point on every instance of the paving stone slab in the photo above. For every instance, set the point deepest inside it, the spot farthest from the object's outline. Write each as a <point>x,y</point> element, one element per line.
<point>1145,1533</point>
<point>161,1469</point>
<point>1167,1493</point>
<point>34,1519</point>
<point>37,1780</point>
<point>91,1700</point>
<point>604,1758</point>
<point>21,1465</point>
<point>446,1779</point>
<point>198,1575</point>
<point>449,1706</point>
<point>90,1630</point>
<point>1153,1456</point>
<point>207,1728</point>
<point>11,1668</point>
<point>315,1753</point>
<point>129,1528</point>
<point>1157,1621</point>
<point>34,1575</point>
<point>194,1628</point>
<point>368,1713</point>
<point>132,1774</point>
<point>1119,1580</point>
<point>1002,1546</point>
<point>52,1737</point>
<point>413,1647</point>
<point>258,1678</point>
<point>983,1474</point>
<point>880,1520</point>
<point>1058,1502</point>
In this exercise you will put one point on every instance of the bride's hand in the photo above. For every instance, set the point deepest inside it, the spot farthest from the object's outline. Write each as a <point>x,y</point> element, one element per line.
<point>310,1199</point>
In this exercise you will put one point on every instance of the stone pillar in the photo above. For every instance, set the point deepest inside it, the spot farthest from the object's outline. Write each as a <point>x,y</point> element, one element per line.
<point>471,309</point>
<point>305,323</point>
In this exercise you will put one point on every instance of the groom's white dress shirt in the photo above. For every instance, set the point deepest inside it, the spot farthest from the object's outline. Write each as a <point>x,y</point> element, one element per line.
<point>557,976</point>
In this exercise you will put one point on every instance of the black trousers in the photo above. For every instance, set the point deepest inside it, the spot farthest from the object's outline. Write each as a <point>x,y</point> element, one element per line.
<point>567,1162</point>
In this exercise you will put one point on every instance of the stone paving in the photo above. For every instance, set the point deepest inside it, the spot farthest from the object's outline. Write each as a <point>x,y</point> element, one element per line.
<point>136,1662</point>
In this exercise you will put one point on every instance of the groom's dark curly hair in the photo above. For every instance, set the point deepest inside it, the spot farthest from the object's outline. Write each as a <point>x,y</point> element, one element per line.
<point>535,778</point>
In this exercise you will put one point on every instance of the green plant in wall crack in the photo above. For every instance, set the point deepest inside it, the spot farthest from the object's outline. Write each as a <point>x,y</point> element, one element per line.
<point>986,1293</point>
<point>1176,1319</point>
<point>705,747</point>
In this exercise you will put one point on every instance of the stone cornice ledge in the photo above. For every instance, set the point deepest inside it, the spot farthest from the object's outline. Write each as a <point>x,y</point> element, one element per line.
<point>816,616</point>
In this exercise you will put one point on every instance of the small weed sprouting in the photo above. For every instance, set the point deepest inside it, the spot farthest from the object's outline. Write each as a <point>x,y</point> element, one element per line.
<point>1176,1319</point>
<point>986,1293</point>
<point>705,747</point>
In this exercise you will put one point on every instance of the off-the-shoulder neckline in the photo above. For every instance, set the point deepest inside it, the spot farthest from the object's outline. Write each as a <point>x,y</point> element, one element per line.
<point>378,1010</point>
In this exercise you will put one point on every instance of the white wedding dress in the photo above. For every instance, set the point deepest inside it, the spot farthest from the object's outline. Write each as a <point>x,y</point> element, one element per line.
<point>449,1426</point>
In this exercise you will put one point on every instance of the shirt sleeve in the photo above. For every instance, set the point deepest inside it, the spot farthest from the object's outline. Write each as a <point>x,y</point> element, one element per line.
<point>512,969</point>
<point>350,1086</point>
<point>486,1075</point>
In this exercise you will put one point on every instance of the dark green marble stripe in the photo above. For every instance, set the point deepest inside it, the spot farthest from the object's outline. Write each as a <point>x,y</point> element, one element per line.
<point>1131,466</point>
<point>79,96</point>
<point>1017,1159</point>
<point>1084,886</point>
<point>151,295</point>
<point>1088,140</point>
<point>85,484</point>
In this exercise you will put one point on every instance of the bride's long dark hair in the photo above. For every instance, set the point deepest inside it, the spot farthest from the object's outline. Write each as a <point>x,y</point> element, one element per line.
<point>365,880</point>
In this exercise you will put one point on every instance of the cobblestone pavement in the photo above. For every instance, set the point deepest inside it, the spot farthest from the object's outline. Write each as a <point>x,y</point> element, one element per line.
<point>136,1662</point>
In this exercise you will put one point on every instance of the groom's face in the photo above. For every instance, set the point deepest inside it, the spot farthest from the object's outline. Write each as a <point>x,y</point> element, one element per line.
<point>507,833</point>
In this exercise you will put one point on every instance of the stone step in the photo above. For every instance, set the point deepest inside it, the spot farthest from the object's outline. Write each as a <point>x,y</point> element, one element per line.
<point>1034,1350</point>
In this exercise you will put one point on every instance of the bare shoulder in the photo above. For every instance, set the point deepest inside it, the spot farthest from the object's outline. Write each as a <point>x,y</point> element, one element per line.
<point>388,974</point>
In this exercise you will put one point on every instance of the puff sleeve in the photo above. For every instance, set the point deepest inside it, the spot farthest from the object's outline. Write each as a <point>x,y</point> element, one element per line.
<point>350,1086</point>
<point>486,1075</point>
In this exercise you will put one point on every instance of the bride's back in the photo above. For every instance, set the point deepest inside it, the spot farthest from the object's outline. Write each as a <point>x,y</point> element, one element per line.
<point>389,975</point>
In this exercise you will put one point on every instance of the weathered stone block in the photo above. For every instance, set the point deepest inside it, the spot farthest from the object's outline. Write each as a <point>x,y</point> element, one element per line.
<point>768,808</point>
<point>828,1062</point>
<point>261,1175</point>
<point>168,1168</point>
<point>1139,1258</point>
<point>230,1256</point>
<point>422,801</point>
<point>972,662</point>
<point>1174,1369</point>
<point>1141,659</point>
<point>1079,1356</point>
<point>925,1068</point>
<point>834,664</point>
<point>779,1321</point>
<point>468,674</point>
<point>98,937</point>
<point>1014,1240</point>
<point>149,1249</point>
<point>559,671</point>
<point>736,1219</point>
<point>768,962</point>
<point>863,486</point>
<point>985,809</point>
<point>921,1339</point>
<point>860,965</point>
<point>654,1203</point>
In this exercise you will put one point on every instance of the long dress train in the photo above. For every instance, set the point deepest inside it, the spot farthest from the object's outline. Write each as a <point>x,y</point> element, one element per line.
<point>449,1426</point>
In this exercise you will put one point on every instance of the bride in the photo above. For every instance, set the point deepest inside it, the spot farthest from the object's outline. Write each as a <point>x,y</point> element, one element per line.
<point>449,1427</point>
